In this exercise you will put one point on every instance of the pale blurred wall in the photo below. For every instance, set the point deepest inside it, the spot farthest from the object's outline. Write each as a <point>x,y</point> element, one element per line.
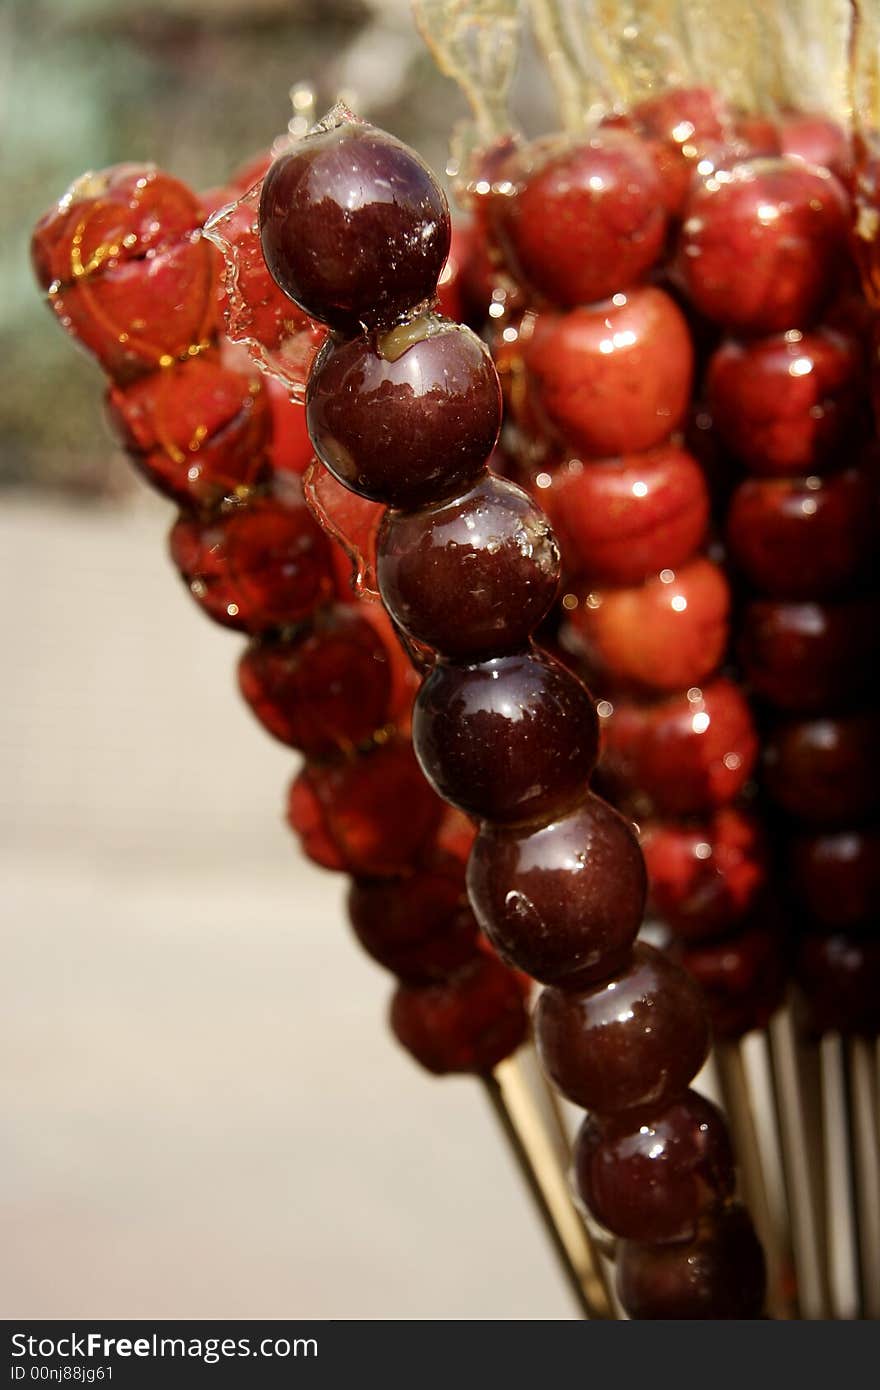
<point>202,1110</point>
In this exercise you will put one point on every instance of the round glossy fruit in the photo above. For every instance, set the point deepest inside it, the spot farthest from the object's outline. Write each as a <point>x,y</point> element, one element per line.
<point>472,577</point>
<point>704,876</point>
<point>634,1041</point>
<point>354,226</point>
<point>408,416</point>
<point>511,739</point>
<point>612,378</point>
<point>718,1275</point>
<point>468,1023</point>
<point>563,901</point>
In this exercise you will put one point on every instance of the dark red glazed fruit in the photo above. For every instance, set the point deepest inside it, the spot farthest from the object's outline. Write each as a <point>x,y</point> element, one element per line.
<point>323,691</point>
<point>472,577</point>
<point>836,876</point>
<point>840,976</point>
<point>762,244</point>
<point>578,220</point>
<point>704,876</point>
<point>469,1023</point>
<point>825,771</point>
<point>631,1042</point>
<point>198,433</point>
<point>682,756</point>
<point>804,538</point>
<point>667,634</point>
<point>810,657</point>
<point>563,901</point>
<point>511,739</point>
<point>354,226</point>
<point>420,927</point>
<point>408,416</point>
<point>649,1176</point>
<point>741,978</point>
<point>784,404</point>
<point>256,567</point>
<point>620,521</point>
<point>718,1275</point>
<point>612,378</point>
<point>818,140</point>
<point>688,117</point>
<point>374,814</point>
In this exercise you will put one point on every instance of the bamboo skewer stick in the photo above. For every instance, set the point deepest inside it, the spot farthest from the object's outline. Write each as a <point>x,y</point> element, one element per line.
<point>533,1149</point>
<point>866,1168</point>
<point>840,1221</point>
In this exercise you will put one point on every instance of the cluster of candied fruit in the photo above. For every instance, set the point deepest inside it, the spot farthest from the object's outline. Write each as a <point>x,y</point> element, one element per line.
<point>678,325</point>
<point>404,407</point>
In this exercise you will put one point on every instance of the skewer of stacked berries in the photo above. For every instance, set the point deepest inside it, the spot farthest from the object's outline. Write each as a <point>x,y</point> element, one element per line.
<point>683,341</point>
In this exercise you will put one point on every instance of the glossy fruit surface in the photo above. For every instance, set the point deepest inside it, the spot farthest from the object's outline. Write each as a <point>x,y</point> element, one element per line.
<point>354,226</point>
<point>405,417</point>
<point>511,739</point>
<point>419,926</point>
<point>681,756</point>
<point>563,901</point>
<point>374,814</point>
<point>810,657</point>
<point>256,567</point>
<point>471,577</point>
<point>666,634</point>
<point>741,978</point>
<point>718,1275</point>
<point>198,432</point>
<point>704,876</point>
<point>583,218</point>
<point>648,1176</point>
<point>621,521</point>
<point>818,140</point>
<point>840,976</point>
<point>836,876</point>
<point>612,378</point>
<point>468,1023</point>
<point>634,1041</point>
<point>762,244</point>
<point>824,771</point>
<point>784,404</point>
<point>804,538</point>
<point>323,691</point>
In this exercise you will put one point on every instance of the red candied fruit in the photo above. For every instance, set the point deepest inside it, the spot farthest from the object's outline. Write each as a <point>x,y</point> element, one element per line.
<point>741,978</point>
<point>804,538</point>
<point>840,976</point>
<point>762,244</point>
<point>323,691</point>
<point>719,1275</point>
<point>810,657</point>
<point>620,521</point>
<point>649,1176</point>
<point>354,226</point>
<point>684,755</point>
<point>468,1023</point>
<point>256,567</point>
<point>667,634</point>
<point>290,448</point>
<point>704,876</point>
<point>510,739</point>
<point>563,901</point>
<point>784,404</point>
<point>633,1041</point>
<point>198,433</point>
<point>408,416</point>
<point>420,926</point>
<point>374,814</point>
<point>578,220</point>
<point>825,771</point>
<point>818,140</point>
<point>836,876</point>
<point>612,378</point>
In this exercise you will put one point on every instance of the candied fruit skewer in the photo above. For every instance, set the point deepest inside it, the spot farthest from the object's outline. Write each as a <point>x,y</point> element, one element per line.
<point>502,731</point>
<point>200,429</point>
<point>801,532</point>
<point>650,612</point>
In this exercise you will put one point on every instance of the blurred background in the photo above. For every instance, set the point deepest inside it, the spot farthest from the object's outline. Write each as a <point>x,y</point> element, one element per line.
<point>204,1113</point>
